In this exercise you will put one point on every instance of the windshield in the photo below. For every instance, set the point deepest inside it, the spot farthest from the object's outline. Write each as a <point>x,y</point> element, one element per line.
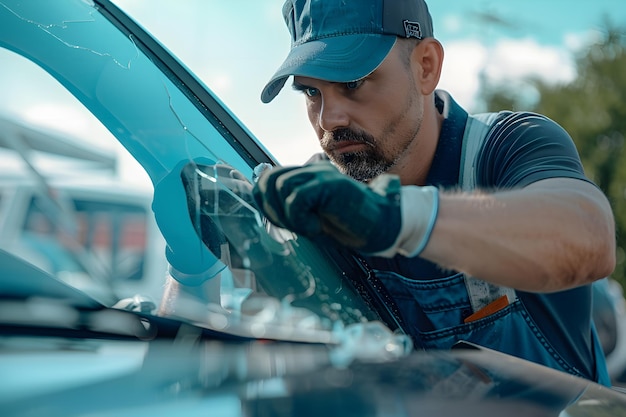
<point>83,77</point>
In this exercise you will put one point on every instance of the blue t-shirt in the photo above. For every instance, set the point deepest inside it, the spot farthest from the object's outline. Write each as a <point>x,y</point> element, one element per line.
<point>520,149</point>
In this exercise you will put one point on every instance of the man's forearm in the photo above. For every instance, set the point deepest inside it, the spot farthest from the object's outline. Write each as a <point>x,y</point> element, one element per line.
<point>552,235</point>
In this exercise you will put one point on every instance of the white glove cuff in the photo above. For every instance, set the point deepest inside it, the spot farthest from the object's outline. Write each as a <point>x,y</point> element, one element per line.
<point>418,208</point>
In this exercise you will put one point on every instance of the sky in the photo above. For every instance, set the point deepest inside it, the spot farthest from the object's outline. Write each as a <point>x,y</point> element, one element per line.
<point>235,46</point>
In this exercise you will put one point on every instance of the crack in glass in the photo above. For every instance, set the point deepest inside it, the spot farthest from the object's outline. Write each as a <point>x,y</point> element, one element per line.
<point>68,23</point>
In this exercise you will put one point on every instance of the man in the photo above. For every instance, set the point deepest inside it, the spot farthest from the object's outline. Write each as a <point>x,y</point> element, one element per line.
<point>506,264</point>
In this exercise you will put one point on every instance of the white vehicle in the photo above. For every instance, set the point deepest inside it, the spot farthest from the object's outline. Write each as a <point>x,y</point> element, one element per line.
<point>64,209</point>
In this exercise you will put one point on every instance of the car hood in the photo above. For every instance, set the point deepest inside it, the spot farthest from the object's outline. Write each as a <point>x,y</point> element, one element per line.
<point>188,376</point>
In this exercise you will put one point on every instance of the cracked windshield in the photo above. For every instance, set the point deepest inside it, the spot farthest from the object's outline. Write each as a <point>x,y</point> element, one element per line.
<point>106,133</point>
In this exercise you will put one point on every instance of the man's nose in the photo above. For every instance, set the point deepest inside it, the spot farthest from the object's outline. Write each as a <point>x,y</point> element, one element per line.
<point>333,113</point>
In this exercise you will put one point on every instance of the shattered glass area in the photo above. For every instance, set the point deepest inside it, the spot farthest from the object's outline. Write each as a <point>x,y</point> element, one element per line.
<point>267,282</point>
<point>267,289</point>
<point>272,283</point>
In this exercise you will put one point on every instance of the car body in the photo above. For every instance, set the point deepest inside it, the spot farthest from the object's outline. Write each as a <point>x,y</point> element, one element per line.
<point>298,330</point>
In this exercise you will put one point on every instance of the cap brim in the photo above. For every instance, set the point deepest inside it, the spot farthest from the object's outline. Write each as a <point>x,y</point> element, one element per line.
<point>336,59</point>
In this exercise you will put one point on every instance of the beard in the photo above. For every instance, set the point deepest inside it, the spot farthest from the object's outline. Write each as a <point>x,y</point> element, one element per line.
<point>362,165</point>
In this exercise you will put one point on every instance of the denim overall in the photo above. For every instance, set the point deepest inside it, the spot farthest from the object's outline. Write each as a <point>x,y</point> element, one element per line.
<point>446,302</point>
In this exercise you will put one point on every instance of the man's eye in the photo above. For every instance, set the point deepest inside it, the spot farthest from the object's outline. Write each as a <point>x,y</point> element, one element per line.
<point>353,85</point>
<point>311,92</point>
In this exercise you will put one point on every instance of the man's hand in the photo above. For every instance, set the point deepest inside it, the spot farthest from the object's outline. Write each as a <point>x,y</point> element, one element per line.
<point>380,218</point>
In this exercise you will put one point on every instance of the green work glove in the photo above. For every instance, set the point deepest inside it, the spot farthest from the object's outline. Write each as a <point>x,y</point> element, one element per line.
<point>380,218</point>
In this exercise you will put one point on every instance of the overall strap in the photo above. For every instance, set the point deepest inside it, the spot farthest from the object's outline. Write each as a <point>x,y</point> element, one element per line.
<point>476,129</point>
<point>481,293</point>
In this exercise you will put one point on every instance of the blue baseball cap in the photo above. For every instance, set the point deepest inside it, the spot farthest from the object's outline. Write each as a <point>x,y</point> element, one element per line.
<point>345,40</point>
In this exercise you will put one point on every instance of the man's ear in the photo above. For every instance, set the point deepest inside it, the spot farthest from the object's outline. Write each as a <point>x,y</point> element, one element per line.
<point>428,54</point>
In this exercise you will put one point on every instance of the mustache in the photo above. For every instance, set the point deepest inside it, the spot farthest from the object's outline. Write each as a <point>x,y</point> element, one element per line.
<point>347,135</point>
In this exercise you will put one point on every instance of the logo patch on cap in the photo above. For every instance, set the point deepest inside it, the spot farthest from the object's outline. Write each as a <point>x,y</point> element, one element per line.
<point>412,29</point>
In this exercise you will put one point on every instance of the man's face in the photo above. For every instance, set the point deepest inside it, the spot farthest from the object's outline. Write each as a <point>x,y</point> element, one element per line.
<point>367,127</point>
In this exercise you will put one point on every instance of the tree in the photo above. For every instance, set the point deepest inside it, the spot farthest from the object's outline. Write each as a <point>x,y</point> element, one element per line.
<point>592,108</point>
